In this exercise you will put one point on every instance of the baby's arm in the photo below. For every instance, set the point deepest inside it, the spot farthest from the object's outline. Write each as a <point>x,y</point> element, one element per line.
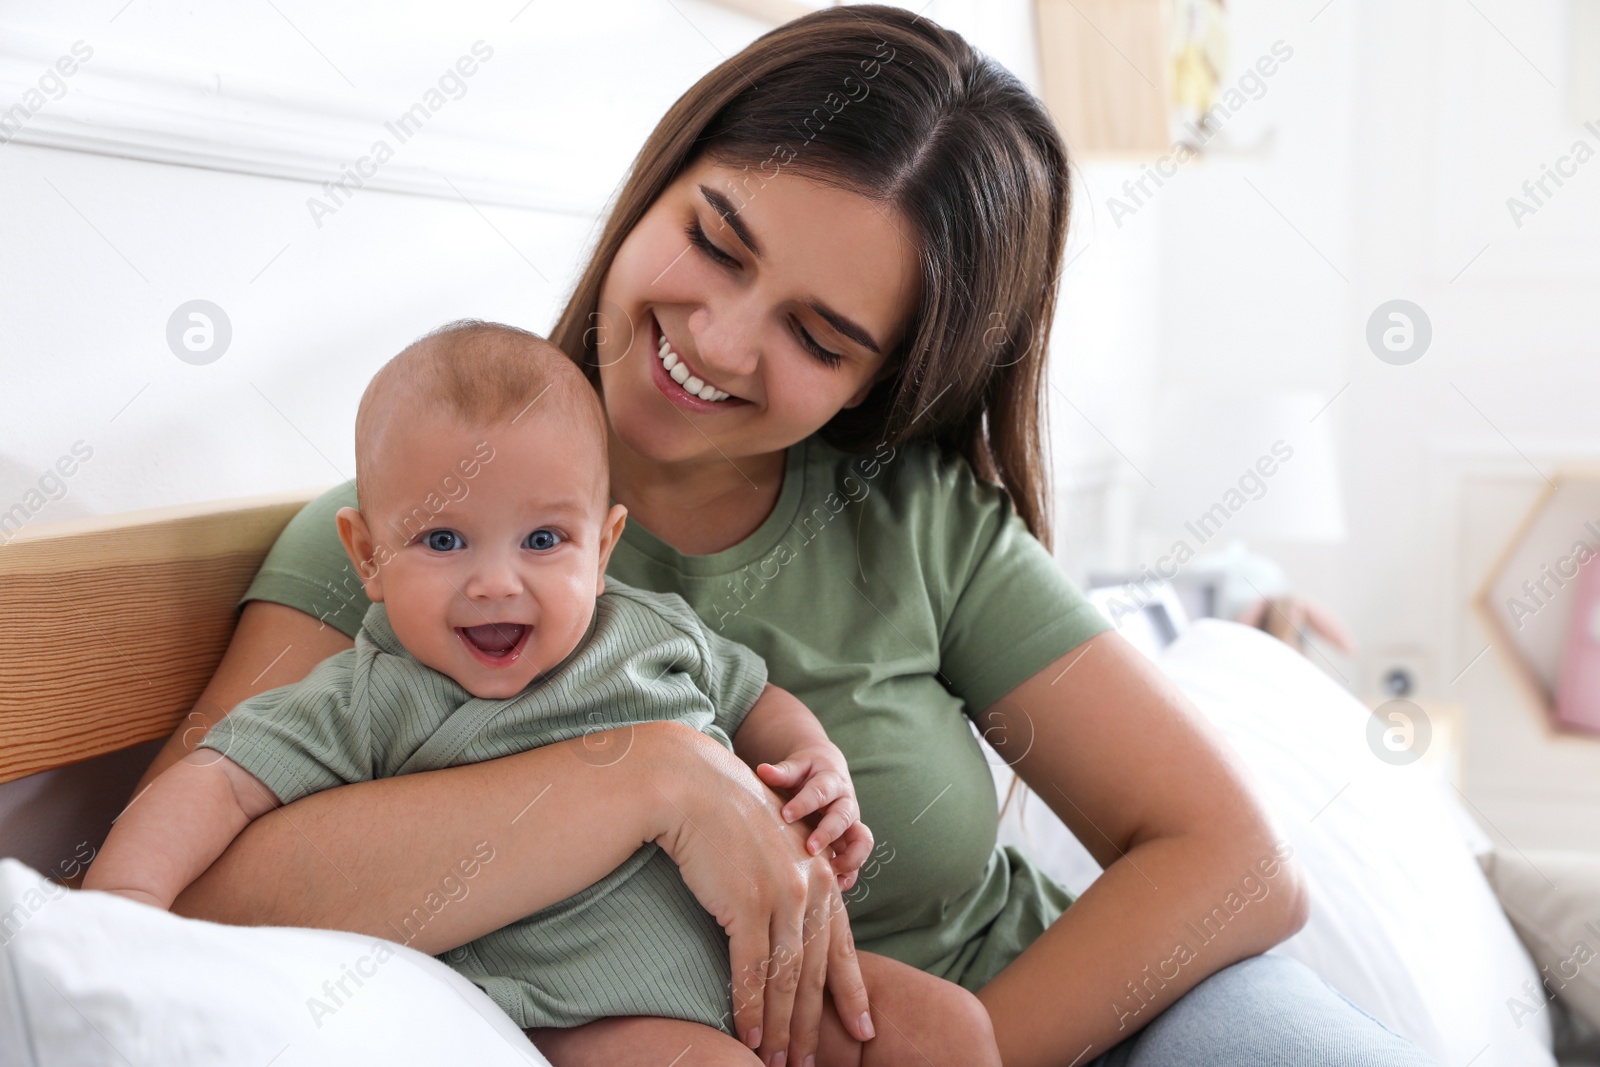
<point>777,725</point>
<point>177,827</point>
<point>788,749</point>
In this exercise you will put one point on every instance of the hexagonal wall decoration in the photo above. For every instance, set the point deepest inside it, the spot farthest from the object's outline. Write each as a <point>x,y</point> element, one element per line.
<point>1541,602</point>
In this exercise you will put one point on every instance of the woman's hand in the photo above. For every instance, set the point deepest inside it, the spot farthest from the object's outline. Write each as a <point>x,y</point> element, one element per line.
<point>788,933</point>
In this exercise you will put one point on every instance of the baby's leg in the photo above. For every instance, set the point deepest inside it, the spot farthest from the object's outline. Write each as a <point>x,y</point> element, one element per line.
<point>919,1020</point>
<point>641,1041</point>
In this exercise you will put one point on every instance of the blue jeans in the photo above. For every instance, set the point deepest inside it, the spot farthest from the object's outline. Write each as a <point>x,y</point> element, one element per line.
<point>1265,1011</point>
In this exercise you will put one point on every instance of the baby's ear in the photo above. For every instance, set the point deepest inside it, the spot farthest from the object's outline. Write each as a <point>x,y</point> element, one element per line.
<point>364,554</point>
<point>610,533</point>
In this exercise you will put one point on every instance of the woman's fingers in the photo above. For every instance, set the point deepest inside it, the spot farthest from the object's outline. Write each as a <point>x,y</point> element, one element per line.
<point>806,1023</point>
<point>774,887</point>
<point>844,978</point>
<point>748,950</point>
<point>782,971</point>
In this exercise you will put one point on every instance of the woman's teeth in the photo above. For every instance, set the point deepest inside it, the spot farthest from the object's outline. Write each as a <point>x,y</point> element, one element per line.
<point>680,374</point>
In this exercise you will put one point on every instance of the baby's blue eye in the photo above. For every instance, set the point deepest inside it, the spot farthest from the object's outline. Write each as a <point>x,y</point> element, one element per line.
<point>442,540</point>
<point>543,540</point>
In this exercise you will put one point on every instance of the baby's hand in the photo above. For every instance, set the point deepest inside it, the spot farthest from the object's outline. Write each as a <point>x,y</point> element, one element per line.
<point>818,779</point>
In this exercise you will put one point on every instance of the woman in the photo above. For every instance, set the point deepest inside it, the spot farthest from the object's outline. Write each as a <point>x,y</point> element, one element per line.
<point>847,235</point>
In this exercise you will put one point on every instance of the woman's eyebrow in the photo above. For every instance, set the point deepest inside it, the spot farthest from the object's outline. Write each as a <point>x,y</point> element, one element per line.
<point>845,326</point>
<point>724,208</point>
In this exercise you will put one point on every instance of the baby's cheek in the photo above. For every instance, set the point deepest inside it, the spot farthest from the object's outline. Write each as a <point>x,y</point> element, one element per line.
<point>426,636</point>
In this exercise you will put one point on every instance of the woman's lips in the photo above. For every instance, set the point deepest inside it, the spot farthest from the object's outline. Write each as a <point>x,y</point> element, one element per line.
<point>671,389</point>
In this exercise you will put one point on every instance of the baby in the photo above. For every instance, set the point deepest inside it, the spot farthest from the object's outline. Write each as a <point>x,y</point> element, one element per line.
<point>493,630</point>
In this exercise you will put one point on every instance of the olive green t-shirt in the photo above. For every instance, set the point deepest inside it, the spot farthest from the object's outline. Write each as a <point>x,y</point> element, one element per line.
<point>896,595</point>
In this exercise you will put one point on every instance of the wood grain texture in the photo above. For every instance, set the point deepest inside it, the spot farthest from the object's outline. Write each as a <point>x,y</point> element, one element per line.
<point>1103,65</point>
<point>111,626</point>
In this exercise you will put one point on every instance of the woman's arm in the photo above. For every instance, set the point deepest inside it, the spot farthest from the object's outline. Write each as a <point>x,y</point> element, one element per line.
<point>533,828</point>
<point>1156,795</point>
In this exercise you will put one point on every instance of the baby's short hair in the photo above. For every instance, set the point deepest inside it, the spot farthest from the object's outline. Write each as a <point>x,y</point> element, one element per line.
<point>483,373</point>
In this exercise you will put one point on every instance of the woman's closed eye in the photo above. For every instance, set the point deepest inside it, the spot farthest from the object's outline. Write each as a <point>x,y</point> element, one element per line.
<point>697,237</point>
<point>831,359</point>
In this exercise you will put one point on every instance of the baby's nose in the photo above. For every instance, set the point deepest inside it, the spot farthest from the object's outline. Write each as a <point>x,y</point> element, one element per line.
<point>494,579</point>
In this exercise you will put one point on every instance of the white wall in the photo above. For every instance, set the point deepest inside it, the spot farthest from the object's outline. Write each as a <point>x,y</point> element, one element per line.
<point>100,250</point>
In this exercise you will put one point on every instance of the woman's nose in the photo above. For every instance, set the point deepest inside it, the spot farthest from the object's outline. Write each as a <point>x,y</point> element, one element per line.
<point>727,340</point>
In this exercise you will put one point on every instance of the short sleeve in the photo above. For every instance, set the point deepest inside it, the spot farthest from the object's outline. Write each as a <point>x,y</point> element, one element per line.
<point>734,679</point>
<point>308,568</point>
<point>1011,610</point>
<point>299,738</point>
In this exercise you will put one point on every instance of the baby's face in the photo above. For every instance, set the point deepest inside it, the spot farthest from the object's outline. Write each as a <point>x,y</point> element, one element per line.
<point>490,543</point>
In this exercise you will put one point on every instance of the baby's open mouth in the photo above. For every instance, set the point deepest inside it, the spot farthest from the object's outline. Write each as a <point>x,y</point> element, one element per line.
<point>495,642</point>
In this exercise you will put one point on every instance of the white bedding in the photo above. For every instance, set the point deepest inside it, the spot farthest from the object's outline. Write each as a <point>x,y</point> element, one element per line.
<point>94,979</point>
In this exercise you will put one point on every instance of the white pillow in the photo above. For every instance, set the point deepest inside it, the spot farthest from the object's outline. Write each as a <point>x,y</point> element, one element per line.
<point>93,978</point>
<point>1403,921</point>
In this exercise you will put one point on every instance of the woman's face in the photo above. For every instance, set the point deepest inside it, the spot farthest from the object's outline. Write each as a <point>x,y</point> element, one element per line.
<point>786,296</point>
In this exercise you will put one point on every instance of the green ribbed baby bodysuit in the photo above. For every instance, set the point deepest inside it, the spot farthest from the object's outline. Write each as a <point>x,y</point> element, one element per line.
<point>635,943</point>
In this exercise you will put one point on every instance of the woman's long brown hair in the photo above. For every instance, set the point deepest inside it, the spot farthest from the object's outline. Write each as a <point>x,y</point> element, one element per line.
<point>883,103</point>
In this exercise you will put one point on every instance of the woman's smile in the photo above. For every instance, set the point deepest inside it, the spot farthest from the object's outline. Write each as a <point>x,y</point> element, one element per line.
<point>678,382</point>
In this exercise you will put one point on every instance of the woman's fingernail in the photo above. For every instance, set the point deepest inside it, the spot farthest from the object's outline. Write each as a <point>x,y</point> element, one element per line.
<point>778,1058</point>
<point>866,1025</point>
<point>753,1038</point>
<point>811,1061</point>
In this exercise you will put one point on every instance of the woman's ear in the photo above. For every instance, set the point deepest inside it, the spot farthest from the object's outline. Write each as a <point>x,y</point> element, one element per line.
<point>358,545</point>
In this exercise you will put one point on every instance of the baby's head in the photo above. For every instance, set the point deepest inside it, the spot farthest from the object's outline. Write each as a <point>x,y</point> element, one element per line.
<point>483,518</point>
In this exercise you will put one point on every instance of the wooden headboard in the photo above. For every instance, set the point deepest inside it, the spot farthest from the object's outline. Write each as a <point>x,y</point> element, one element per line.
<point>111,626</point>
